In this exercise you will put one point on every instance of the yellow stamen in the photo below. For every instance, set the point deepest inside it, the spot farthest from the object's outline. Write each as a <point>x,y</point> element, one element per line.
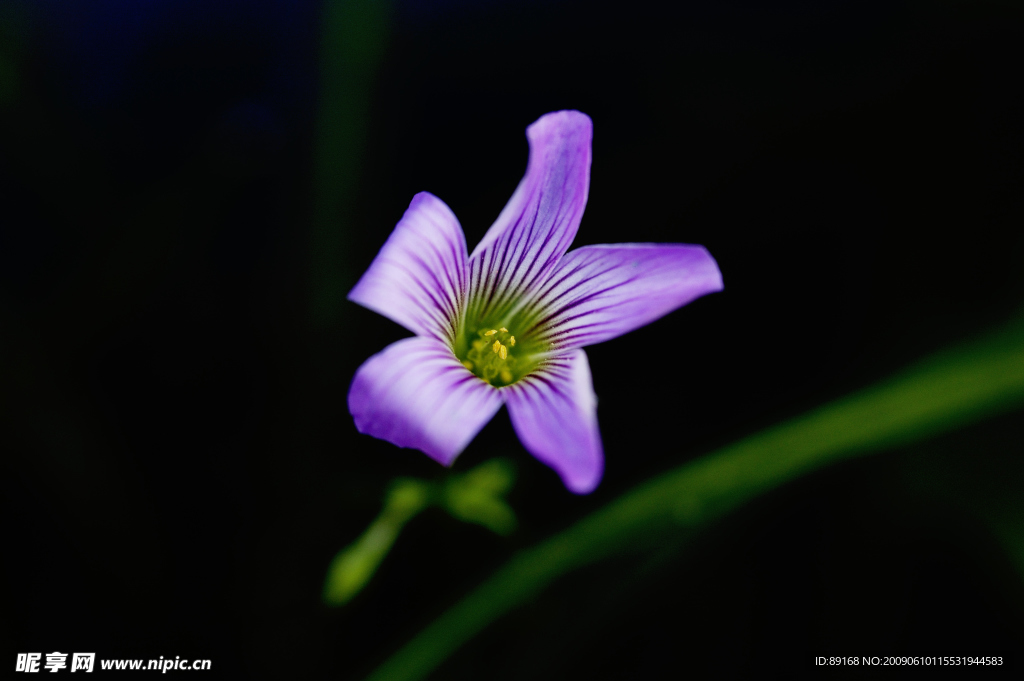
<point>512,341</point>
<point>497,344</point>
<point>503,329</point>
<point>506,375</point>
<point>503,352</point>
<point>490,333</point>
<point>468,365</point>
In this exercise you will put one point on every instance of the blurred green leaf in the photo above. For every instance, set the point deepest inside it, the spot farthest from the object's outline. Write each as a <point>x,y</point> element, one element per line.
<point>473,497</point>
<point>943,392</point>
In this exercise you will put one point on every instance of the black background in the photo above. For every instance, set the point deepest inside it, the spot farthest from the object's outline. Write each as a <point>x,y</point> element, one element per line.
<point>179,465</point>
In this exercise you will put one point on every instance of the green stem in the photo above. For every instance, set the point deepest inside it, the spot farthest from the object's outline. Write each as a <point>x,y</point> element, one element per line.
<point>352,568</point>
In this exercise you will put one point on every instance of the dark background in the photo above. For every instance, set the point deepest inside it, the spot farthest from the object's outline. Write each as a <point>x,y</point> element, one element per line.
<point>188,189</point>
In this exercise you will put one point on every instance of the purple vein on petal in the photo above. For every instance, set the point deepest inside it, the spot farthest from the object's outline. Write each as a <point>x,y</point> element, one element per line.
<point>554,290</point>
<point>415,393</point>
<point>540,221</point>
<point>600,292</point>
<point>554,413</point>
<point>446,306</point>
<point>559,315</point>
<point>437,313</point>
<point>419,277</point>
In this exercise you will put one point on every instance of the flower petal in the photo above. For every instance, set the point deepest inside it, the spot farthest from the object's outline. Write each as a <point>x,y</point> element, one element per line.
<point>600,292</point>
<point>554,412</point>
<point>419,277</point>
<point>540,221</point>
<point>415,393</point>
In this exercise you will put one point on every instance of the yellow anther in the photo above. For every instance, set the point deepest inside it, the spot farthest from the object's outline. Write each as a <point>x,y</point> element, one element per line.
<point>501,368</point>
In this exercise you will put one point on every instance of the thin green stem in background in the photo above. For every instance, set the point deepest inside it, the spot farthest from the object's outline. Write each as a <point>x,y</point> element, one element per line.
<point>354,37</point>
<point>944,392</point>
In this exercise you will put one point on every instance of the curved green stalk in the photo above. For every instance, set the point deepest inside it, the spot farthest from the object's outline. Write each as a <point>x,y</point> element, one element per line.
<point>944,392</point>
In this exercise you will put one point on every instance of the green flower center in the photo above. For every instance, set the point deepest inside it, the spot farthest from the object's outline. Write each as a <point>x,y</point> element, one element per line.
<point>492,354</point>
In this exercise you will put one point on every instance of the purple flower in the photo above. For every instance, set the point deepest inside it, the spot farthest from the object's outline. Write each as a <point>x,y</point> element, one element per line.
<point>506,325</point>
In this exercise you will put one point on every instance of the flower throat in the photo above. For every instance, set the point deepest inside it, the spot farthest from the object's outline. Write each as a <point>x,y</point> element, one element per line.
<point>490,356</point>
